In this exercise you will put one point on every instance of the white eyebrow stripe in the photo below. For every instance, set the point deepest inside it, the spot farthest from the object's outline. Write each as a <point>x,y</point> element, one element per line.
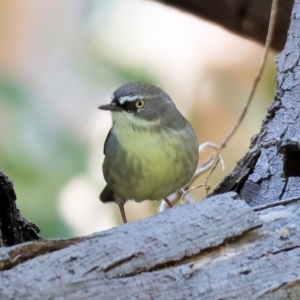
<point>124,99</point>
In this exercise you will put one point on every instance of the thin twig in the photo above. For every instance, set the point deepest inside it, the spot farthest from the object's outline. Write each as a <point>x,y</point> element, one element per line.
<point>208,162</point>
<point>209,174</point>
<point>207,187</point>
<point>271,29</point>
<point>269,38</point>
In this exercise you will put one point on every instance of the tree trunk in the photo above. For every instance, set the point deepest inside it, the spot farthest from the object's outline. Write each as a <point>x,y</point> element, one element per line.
<point>270,171</point>
<point>220,248</point>
<point>14,229</point>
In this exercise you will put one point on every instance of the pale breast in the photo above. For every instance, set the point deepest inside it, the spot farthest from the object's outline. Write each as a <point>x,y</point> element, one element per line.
<point>146,164</point>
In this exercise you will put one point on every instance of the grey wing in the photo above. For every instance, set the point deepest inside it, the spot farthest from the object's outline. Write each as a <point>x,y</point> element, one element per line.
<point>107,195</point>
<point>105,143</point>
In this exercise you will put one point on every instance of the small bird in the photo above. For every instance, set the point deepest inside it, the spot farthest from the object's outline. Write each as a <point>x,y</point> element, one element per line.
<point>151,150</point>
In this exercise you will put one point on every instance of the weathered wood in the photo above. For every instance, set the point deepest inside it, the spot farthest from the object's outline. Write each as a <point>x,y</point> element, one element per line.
<point>260,176</point>
<point>14,229</point>
<point>119,256</point>
<point>215,249</point>
<point>248,18</point>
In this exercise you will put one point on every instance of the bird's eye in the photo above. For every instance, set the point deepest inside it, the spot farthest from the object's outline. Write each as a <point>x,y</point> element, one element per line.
<point>140,104</point>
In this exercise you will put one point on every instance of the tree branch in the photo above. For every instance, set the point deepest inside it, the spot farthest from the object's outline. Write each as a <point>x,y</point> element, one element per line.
<point>210,250</point>
<point>264,175</point>
<point>248,18</point>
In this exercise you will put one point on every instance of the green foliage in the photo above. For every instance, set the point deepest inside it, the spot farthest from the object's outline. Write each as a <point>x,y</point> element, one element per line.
<point>38,156</point>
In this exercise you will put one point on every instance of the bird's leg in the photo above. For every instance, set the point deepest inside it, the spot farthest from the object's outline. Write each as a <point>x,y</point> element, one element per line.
<point>122,211</point>
<point>121,201</point>
<point>169,202</point>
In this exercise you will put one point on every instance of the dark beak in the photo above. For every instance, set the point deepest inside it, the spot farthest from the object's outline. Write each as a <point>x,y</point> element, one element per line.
<point>110,106</point>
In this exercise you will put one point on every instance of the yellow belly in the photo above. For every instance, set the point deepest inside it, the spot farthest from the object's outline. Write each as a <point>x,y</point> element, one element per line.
<point>143,164</point>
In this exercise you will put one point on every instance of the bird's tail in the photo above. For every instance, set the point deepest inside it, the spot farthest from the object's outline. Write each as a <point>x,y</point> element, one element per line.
<point>107,195</point>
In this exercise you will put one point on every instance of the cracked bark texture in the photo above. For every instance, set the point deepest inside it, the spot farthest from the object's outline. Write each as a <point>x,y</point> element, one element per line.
<point>14,229</point>
<point>216,249</point>
<point>262,175</point>
<point>248,18</point>
<point>220,248</point>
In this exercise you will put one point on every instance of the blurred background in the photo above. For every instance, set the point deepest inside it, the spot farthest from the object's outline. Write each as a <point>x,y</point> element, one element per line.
<point>59,60</point>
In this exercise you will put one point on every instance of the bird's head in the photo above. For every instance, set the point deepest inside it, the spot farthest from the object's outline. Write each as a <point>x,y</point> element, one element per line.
<point>142,105</point>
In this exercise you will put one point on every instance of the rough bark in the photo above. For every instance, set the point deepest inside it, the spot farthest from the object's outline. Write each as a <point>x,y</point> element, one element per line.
<point>269,170</point>
<point>248,18</point>
<point>220,248</point>
<point>215,249</point>
<point>14,229</point>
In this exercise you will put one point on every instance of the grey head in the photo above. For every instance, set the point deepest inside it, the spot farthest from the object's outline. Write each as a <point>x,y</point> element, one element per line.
<point>146,101</point>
